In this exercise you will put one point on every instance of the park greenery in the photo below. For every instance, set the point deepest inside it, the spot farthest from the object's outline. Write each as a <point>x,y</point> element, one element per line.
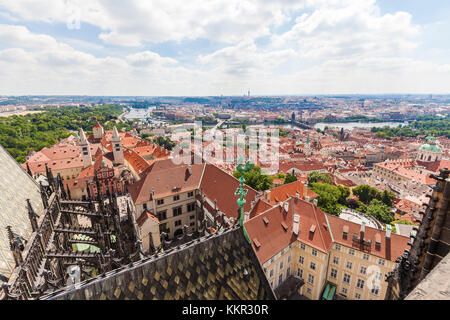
<point>21,134</point>
<point>366,194</point>
<point>255,178</point>
<point>316,176</point>
<point>332,199</point>
<point>423,126</point>
<point>290,178</point>
<point>164,142</point>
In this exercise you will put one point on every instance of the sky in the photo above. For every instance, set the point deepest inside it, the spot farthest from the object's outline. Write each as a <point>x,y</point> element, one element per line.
<point>224,47</point>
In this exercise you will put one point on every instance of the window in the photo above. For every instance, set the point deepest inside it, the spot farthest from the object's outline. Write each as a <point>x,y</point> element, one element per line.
<point>378,275</point>
<point>177,211</point>
<point>333,273</point>
<point>190,194</point>
<point>177,223</point>
<point>346,278</point>
<point>308,290</point>
<point>271,284</point>
<point>360,284</point>
<point>271,260</point>
<point>289,259</point>
<point>300,273</point>
<point>312,266</point>
<point>191,207</point>
<point>338,247</point>
<point>301,259</point>
<point>335,260</point>
<point>162,215</point>
<point>314,252</point>
<point>363,270</point>
<point>349,265</point>
<point>160,202</point>
<point>282,252</point>
<point>192,224</point>
<point>344,290</point>
<point>280,279</point>
<point>281,265</point>
<point>192,217</point>
<point>375,289</point>
<point>145,206</point>
<point>357,296</point>
<point>163,228</point>
<point>288,272</point>
<point>381,262</point>
<point>302,246</point>
<point>176,198</point>
<point>366,256</point>
<point>271,273</point>
<point>310,279</point>
<point>351,252</point>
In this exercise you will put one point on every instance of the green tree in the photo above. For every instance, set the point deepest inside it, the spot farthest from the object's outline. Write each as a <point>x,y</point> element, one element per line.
<point>316,176</point>
<point>328,199</point>
<point>345,193</point>
<point>255,179</point>
<point>379,211</point>
<point>290,178</point>
<point>387,197</point>
<point>365,193</point>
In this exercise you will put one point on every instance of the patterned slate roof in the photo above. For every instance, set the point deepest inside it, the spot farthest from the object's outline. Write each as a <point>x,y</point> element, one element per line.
<point>15,187</point>
<point>212,267</point>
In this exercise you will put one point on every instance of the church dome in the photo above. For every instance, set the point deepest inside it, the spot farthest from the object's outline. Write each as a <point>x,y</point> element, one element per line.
<point>430,146</point>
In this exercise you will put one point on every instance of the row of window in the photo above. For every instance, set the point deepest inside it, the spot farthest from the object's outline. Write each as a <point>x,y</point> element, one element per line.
<point>359,283</point>
<point>162,215</point>
<point>175,198</point>
<point>303,247</point>
<point>163,226</point>
<point>375,291</point>
<point>365,255</point>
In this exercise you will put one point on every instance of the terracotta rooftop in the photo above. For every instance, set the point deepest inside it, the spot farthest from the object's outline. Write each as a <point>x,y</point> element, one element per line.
<point>286,191</point>
<point>219,185</point>
<point>397,243</point>
<point>166,182</point>
<point>273,228</point>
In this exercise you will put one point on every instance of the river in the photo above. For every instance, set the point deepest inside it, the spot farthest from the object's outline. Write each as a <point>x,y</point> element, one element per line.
<point>353,125</point>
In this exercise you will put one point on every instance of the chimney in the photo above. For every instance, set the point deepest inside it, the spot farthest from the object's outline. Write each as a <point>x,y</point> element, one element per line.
<point>286,206</point>
<point>306,198</point>
<point>305,190</point>
<point>267,194</point>
<point>388,242</point>
<point>361,231</point>
<point>316,202</point>
<point>296,225</point>
<point>188,172</point>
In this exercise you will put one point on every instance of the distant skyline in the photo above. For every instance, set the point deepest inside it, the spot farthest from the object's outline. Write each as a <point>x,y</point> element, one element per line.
<point>224,47</point>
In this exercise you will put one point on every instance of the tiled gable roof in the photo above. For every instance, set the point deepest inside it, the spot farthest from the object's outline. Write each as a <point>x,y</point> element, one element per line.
<point>210,268</point>
<point>273,228</point>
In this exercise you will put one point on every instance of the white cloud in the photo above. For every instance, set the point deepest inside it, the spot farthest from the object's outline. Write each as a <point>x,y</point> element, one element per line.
<point>333,46</point>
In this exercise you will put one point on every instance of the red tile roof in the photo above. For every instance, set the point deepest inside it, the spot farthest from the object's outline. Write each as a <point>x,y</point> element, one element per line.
<point>286,191</point>
<point>397,246</point>
<point>219,185</point>
<point>273,236</point>
<point>166,182</point>
<point>144,216</point>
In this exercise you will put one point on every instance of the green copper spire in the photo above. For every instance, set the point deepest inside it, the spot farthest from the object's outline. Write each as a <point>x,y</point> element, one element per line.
<point>241,192</point>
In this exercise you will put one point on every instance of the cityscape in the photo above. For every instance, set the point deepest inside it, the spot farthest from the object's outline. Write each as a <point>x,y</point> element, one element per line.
<point>210,170</point>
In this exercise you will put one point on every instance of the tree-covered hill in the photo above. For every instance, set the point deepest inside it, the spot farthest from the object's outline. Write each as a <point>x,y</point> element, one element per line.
<point>20,134</point>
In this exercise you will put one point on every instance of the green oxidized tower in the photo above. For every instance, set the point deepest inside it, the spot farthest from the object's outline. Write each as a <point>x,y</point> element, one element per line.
<point>241,192</point>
